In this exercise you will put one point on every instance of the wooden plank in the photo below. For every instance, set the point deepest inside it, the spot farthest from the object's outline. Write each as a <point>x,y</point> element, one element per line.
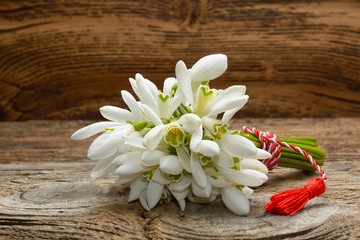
<point>46,191</point>
<point>64,60</point>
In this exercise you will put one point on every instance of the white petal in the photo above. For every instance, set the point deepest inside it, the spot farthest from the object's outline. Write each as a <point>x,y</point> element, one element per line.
<point>151,114</point>
<point>204,98</point>
<point>238,146</point>
<point>128,178</point>
<point>184,158</point>
<point>234,91</point>
<point>92,129</point>
<point>129,168</point>
<point>184,81</point>
<point>180,195</point>
<point>106,145</point>
<point>116,114</point>
<point>220,105</point>
<point>196,139</point>
<point>235,200</point>
<point>134,143</point>
<point>215,191</point>
<point>127,157</point>
<point>152,87</point>
<point>134,86</point>
<point>143,201</point>
<point>220,182</point>
<point>200,200</point>
<point>190,122</point>
<point>247,191</point>
<point>253,164</point>
<point>197,171</point>
<point>246,177</point>
<point>153,193</point>
<point>180,186</point>
<point>210,124</point>
<point>262,154</point>
<point>168,85</point>
<point>230,98</point>
<point>180,198</point>
<point>209,148</point>
<point>145,92</point>
<point>171,165</point>
<point>201,192</point>
<point>229,114</point>
<point>152,157</point>
<point>103,168</point>
<point>137,187</point>
<point>175,102</point>
<point>182,204</point>
<point>161,177</point>
<point>164,102</point>
<point>209,67</point>
<point>131,103</point>
<point>224,160</point>
<point>154,137</point>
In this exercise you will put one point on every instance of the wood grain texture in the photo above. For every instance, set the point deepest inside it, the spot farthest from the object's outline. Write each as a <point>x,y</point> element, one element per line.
<point>46,191</point>
<point>65,59</point>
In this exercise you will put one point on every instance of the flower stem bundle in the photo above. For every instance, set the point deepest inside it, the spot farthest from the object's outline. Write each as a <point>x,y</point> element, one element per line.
<point>290,158</point>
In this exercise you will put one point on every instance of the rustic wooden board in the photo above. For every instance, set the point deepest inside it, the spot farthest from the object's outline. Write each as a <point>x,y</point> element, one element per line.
<point>65,59</point>
<point>46,191</point>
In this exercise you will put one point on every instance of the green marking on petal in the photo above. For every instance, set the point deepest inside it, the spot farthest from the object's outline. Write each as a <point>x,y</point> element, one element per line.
<point>148,175</point>
<point>174,88</point>
<point>236,160</point>
<point>208,138</point>
<point>109,129</point>
<point>220,129</point>
<point>207,91</point>
<point>204,97</point>
<point>174,136</point>
<point>204,83</point>
<point>163,97</point>
<point>204,160</point>
<point>236,167</point>
<point>165,197</point>
<point>176,178</point>
<point>240,187</point>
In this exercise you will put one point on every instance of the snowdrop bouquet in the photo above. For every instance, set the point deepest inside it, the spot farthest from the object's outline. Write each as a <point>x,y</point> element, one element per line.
<point>176,142</point>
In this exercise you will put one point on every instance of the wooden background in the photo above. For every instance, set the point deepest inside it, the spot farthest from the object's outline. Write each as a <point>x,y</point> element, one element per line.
<point>65,59</point>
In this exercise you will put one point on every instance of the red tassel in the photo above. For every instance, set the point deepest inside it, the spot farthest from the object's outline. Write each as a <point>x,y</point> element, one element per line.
<point>290,202</point>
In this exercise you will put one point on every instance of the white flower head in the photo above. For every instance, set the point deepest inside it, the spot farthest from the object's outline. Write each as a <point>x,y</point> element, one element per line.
<point>172,144</point>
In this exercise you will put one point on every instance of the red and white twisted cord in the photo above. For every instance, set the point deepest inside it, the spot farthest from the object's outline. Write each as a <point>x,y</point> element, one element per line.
<point>272,144</point>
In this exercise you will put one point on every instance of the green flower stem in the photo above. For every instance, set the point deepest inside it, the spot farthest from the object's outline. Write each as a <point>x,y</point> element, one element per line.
<point>290,158</point>
<point>182,109</point>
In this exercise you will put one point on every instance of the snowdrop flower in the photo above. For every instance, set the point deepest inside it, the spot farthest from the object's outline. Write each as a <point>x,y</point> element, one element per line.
<point>206,69</point>
<point>172,144</point>
<point>106,146</point>
<point>162,103</point>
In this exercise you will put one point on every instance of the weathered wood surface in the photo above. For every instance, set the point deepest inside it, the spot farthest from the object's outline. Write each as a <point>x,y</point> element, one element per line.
<point>46,191</point>
<point>65,59</point>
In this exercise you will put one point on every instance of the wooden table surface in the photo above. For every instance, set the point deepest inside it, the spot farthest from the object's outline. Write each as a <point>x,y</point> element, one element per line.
<point>62,60</point>
<point>46,191</point>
